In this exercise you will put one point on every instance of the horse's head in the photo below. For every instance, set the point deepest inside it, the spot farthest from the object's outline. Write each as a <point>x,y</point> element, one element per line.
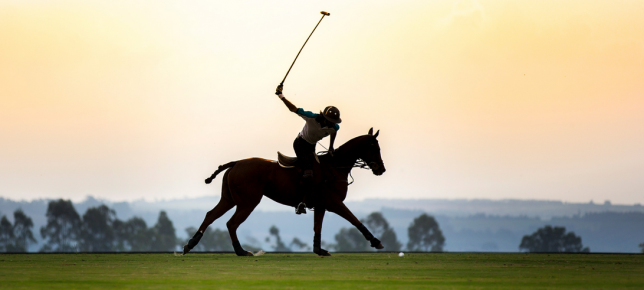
<point>371,153</point>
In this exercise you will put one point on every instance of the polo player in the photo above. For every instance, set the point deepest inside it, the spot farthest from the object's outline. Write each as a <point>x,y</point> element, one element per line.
<point>316,127</point>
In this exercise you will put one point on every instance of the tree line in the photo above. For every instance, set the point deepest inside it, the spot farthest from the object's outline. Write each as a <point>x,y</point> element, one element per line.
<point>552,240</point>
<point>99,230</point>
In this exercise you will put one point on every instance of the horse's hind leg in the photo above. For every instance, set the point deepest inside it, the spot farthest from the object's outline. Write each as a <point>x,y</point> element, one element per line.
<point>242,212</point>
<point>225,204</point>
<point>220,209</point>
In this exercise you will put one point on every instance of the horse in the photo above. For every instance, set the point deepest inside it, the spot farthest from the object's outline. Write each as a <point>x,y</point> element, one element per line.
<point>248,180</point>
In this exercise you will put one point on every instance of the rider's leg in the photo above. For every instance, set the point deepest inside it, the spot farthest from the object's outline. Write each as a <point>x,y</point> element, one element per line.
<point>306,189</point>
<point>305,155</point>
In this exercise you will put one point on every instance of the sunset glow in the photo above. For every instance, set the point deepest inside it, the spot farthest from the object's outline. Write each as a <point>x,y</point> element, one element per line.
<point>474,99</point>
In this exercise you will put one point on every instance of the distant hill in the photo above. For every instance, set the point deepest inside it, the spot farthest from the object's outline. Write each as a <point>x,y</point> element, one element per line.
<point>468,225</point>
<point>544,209</point>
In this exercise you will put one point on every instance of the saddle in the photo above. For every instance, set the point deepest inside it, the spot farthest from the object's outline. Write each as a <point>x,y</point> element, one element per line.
<point>289,162</point>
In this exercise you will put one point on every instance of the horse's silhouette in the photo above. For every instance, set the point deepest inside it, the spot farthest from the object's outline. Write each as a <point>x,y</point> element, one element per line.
<point>250,179</point>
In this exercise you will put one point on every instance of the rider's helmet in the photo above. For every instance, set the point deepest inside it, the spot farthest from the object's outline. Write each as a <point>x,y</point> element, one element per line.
<point>332,114</point>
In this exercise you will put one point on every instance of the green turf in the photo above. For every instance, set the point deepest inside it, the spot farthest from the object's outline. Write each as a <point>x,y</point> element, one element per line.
<point>342,271</point>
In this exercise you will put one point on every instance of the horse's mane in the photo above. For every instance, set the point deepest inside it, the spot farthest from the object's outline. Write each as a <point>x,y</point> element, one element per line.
<point>342,151</point>
<point>356,141</point>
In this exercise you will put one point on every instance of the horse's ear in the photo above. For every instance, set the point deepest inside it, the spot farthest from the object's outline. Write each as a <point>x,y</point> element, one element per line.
<point>376,136</point>
<point>371,131</point>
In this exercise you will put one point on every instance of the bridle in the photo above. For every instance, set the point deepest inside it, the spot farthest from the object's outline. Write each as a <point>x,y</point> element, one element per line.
<point>358,164</point>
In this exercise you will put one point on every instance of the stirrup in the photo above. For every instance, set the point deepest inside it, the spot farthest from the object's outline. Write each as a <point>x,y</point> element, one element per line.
<point>301,208</point>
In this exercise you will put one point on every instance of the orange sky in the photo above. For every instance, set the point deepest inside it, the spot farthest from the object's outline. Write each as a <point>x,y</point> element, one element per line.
<point>475,99</point>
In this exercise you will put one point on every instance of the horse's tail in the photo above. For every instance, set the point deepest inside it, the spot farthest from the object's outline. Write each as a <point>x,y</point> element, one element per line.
<point>219,170</point>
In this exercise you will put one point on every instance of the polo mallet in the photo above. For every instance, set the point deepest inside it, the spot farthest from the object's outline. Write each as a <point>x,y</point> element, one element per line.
<point>307,40</point>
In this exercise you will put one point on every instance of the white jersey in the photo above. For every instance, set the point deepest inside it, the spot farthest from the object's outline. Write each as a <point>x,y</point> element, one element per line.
<point>313,131</point>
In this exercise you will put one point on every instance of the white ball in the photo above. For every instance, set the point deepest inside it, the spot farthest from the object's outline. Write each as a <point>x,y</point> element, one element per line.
<point>401,254</point>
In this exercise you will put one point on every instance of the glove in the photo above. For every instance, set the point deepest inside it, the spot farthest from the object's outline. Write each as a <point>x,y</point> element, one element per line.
<point>279,89</point>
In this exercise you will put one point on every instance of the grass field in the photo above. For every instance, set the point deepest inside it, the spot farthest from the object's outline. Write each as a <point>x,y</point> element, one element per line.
<point>342,271</point>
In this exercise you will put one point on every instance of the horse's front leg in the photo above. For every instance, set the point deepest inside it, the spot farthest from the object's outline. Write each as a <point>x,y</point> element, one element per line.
<point>340,209</point>
<point>318,217</point>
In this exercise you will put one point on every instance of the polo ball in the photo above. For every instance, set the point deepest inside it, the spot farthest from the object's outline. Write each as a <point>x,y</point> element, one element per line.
<point>401,254</point>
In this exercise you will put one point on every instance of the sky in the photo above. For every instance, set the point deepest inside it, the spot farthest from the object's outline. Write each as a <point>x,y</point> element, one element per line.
<point>499,99</point>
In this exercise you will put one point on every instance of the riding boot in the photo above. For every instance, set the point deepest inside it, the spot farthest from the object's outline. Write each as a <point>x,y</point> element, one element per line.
<point>192,242</point>
<point>317,240</point>
<point>306,190</point>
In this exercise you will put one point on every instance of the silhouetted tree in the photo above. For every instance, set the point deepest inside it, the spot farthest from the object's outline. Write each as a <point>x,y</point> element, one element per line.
<point>6,235</point>
<point>22,225</point>
<point>16,238</point>
<point>279,245</point>
<point>299,244</point>
<point>642,246</point>
<point>549,239</point>
<point>62,229</point>
<point>213,240</point>
<point>97,232</point>
<point>425,235</point>
<point>163,234</point>
<point>132,235</point>
<point>350,240</point>
<point>379,226</point>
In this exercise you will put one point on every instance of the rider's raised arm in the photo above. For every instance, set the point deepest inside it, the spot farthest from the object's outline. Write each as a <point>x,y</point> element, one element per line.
<point>288,104</point>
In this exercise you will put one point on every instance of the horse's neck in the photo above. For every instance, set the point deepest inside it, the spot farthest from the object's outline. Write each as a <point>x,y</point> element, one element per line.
<point>340,168</point>
<point>346,162</point>
<point>347,155</point>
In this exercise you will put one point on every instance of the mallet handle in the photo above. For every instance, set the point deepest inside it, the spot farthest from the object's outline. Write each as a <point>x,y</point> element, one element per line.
<point>298,53</point>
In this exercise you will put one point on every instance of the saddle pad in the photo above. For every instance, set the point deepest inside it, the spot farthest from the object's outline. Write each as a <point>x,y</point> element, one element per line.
<point>286,161</point>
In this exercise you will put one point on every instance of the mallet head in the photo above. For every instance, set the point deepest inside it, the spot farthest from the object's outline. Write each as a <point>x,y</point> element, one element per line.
<point>325,13</point>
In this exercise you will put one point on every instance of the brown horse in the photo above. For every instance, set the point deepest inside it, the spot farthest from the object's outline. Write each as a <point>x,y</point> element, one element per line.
<point>250,179</point>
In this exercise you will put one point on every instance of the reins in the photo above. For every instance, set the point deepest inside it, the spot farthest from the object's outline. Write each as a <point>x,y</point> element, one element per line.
<point>358,164</point>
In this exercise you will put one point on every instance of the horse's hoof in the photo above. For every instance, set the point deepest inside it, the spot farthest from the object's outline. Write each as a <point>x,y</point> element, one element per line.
<point>323,253</point>
<point>185,249</point>
<point>375,243</point>
<point>245,254</point>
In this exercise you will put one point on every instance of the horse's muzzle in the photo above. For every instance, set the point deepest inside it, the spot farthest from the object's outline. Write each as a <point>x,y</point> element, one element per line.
<point>376,168</point>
